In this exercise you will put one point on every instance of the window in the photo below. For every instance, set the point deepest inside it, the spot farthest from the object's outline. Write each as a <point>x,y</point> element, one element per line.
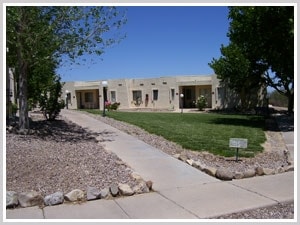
<point>155,95</point>
<point>88,97</point>
<point>113,96</point>
<point>172,94</point>
<point>137,95</point>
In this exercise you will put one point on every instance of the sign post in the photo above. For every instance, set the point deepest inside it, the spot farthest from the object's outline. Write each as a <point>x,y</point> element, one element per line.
<point>238,143</point>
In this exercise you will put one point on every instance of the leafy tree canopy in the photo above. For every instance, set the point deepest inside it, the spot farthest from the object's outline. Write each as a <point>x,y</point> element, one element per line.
<point>268,33</point>
<point>40,38</point>
<point>261,41</point>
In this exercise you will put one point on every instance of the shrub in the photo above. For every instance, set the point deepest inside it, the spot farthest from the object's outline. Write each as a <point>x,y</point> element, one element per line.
<point>112,106</point>
<point>201,102</point>
<point>49,100</point>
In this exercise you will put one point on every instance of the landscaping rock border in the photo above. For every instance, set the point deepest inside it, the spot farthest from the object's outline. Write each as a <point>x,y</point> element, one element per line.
<point>33,198</point>
<point>227,174</point>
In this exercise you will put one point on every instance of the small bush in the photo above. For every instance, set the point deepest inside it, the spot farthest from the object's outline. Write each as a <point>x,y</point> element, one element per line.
<point>49,100</point>
<point>112,106</point>
<point>201,102</point>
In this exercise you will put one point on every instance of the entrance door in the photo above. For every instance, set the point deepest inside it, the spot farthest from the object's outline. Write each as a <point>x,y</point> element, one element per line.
<point>189,97</point>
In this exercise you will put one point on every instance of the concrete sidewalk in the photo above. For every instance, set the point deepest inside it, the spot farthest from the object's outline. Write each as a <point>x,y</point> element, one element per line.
<point>180,191</point>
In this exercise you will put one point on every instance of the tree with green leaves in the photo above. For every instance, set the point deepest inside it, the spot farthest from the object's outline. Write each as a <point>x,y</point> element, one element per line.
<point>40,38</point>
<point>237,71</point>
<point>27,40</point>
<point>267,32</point>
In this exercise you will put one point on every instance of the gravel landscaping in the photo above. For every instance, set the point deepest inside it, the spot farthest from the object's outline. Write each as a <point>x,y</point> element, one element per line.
<point>61,156</point>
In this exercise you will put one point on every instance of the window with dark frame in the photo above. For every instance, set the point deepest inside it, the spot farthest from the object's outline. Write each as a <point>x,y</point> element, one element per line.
<point>172,94</point>
<point>136,95</point>
<point>155,95</point>
<point>113,96</point>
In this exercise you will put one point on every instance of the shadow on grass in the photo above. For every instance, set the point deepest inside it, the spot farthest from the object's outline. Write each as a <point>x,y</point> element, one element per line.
<point>254,122</point>
<point>277,120</point>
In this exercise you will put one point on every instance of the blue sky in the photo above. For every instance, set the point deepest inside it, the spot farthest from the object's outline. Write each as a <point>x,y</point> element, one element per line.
<point>161,41</point>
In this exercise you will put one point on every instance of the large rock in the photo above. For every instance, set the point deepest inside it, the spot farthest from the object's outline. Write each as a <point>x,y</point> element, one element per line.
<point>54,199</point>
<point>114,190</point>
<point>198,165</point>
<point>224,174</point>
<point>136,176</point>
<point>249,173</point>
<point>176,156</point>
<point>32,198</point>
<point>289,168</point>
<point>141,188</point>
<point>190,161</point>
<point>125,189</point>
<point>264,171</point>
<point>183,157</point>
<point>268,171</point>
<point>92,193</point>
<point>75,195</point>
<point>210,171</point>
<point>11,199</point>
<point>259,171</point>
<point>104,193</point>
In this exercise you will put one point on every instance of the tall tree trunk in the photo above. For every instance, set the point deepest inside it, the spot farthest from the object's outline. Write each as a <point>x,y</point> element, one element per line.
<point>23,109</point>
<point>23,73</point>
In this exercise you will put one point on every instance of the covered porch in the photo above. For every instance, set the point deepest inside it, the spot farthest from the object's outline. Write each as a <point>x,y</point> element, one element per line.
<point>192,92</point>
<point>87,99</point>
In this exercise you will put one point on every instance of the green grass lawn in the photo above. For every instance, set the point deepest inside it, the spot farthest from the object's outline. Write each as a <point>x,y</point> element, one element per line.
<point>200,131</point>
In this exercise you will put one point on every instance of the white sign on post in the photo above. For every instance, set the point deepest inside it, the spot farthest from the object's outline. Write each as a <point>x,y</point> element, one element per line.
<point>238,143</point>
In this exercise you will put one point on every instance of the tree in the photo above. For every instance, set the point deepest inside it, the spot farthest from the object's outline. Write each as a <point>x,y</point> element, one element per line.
<point>39,35</point>
<point>268,33</point>
<point>236,69</point>
<point>27,39</point>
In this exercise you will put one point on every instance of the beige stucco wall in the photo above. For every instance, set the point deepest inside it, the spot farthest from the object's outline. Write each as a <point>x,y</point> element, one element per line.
<point>168,90</point>
<point>124,89</point>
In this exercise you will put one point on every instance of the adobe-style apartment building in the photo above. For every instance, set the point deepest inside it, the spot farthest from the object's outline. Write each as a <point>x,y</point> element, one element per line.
<point>170,93</point>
